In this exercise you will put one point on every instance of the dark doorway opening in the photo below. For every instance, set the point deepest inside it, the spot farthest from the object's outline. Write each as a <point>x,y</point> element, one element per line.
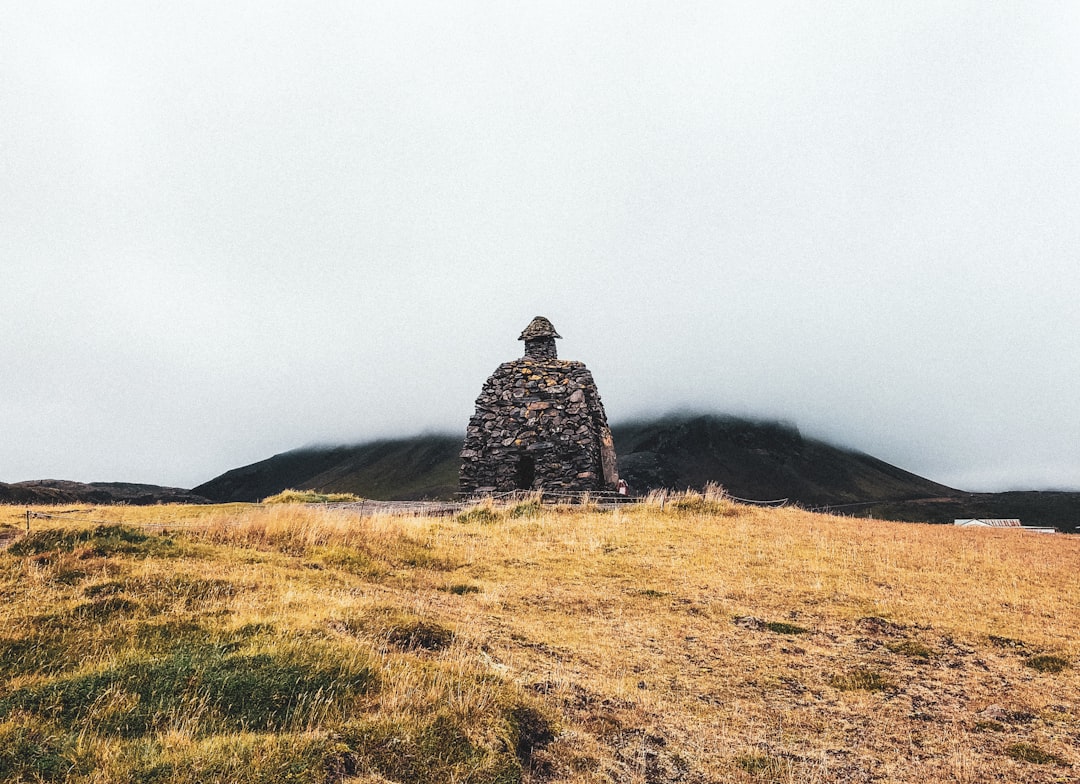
<point>526,473</point>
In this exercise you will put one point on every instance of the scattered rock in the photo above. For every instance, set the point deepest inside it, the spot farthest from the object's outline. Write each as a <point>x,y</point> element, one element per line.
<point>875,625</point>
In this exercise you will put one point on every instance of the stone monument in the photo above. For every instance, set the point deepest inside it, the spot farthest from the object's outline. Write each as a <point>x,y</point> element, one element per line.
<point>539,424</point>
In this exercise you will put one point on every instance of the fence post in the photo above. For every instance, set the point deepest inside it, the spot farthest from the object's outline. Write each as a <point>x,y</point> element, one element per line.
<point>27,522</point>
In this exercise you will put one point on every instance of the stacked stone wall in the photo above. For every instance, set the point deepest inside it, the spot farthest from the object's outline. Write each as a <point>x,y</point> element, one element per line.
<point>539,423</point>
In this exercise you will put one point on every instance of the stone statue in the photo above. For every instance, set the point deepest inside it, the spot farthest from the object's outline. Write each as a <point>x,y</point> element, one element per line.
<point>539,424</point>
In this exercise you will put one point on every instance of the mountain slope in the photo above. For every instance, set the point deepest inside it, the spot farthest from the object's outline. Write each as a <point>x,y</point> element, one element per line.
<point>400,469</point>
<point>759,460</point>
<point>750,459</point>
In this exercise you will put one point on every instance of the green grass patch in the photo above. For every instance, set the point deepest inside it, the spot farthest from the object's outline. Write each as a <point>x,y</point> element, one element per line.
<point>414,554</point>
<point>1029,752</point>
<point>35,749</point>
<point>484,515</point>
<point>526,509</point>
<point>652,593</point>
<point>433,749</point>
<point>764,766</point>
<point>779,627</point>
<point>913,649</point>
<point>352,560</point>
<point>860,679</point>
<point>228,690</point>
<point>1047,663</point>
<point>311,497</point>
<point>692,503</point>
<point>102,541</point>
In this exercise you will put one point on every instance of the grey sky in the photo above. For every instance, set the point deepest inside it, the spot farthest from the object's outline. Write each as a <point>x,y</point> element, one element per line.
<point>231,229</point>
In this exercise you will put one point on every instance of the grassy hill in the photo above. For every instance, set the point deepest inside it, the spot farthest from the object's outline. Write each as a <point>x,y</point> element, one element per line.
<point>700,641</point>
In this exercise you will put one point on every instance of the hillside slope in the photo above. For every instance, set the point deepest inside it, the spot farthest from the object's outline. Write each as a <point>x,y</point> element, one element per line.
<point>698,642</point>
<point>399,469</point>
<point>761,460</point>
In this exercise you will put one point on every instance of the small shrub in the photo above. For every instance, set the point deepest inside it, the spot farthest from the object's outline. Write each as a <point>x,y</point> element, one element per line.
<point>1047,663</point>
<point>1029,752</point>
<point>311,497</point>
<point>860,679</point>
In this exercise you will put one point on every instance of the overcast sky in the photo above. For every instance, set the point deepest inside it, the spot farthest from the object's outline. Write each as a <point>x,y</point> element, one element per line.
<point>232,229</point>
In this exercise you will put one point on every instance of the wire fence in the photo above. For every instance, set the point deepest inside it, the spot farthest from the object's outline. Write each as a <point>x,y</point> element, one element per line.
<point>597,499</point>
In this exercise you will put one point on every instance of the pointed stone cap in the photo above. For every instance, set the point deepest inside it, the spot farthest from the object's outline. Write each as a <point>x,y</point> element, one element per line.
<point>539,328</point>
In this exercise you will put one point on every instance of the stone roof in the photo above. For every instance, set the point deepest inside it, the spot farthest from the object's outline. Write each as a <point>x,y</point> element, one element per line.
<point>539,328</point>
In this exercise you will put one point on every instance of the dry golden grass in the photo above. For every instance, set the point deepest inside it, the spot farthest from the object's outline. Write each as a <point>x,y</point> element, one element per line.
<point>699,642</point>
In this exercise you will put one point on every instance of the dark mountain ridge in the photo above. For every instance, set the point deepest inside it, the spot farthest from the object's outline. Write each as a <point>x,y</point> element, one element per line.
<point>756,460</point>
<point>59,491</point>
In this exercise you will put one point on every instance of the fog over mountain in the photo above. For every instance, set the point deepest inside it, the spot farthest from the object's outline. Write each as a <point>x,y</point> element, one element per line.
<point>230,230</point>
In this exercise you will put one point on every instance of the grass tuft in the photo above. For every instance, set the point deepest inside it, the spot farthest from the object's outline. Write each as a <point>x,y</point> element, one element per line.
<point>692,503</point>
<point>410,634</point>
<point>764,766</point>
<point>483,514</point>
<point>860,679</point>
<point>461,589</point>
<point>526,509</point>
<point>311,497</point>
